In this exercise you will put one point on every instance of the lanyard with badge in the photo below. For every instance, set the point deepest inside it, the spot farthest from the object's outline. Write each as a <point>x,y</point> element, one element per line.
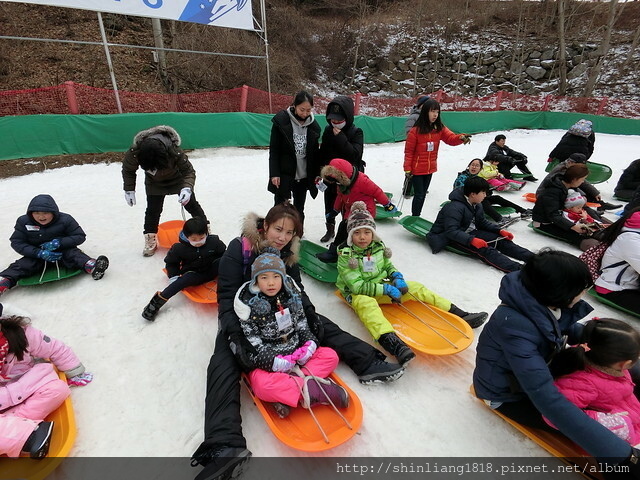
<point>368,264</point>
<point>283,317</point>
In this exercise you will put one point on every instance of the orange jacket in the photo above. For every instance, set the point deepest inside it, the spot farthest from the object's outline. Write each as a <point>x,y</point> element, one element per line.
<point>421,150</point>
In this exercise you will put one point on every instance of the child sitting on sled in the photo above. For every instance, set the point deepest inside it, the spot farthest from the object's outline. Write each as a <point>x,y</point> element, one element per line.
<point>575,212</point>
<point>367,278</point>
<point>290,368</point>
<point>595,376</point>
<point>30,388</point>
<point>46,236</point>
<point>193,260</point>
<point>496,179</point>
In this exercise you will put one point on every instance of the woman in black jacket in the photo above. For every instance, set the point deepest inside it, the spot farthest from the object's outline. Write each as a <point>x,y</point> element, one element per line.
<point>629,181</point>
<point>340,139</point>
<point>293,153</point>
<point>580,138</point>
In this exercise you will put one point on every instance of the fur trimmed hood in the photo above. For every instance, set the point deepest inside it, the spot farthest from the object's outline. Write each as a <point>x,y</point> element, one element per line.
<point>339,169</point>
<point>252,230</point>
<point>164,130</point>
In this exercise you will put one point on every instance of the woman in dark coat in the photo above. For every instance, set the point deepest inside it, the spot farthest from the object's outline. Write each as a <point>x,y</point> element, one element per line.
<point>580,138</point>
<point>293,153</point>
<point>539,312</point>
<point>629,181</point>
<point>224,447</point>
<point>340,139</point>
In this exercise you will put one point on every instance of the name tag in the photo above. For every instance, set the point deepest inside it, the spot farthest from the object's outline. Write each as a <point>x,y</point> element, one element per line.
<point>321,186</point>
<point>32,228</point>
<point>368,265</point>
<point>283,319</point>
<point>430,146</point>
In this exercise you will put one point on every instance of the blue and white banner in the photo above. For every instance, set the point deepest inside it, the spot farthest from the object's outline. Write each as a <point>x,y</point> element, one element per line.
<point>220,13</point>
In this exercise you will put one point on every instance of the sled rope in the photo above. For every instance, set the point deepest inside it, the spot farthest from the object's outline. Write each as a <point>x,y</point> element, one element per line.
<point>425,323</point>
<point>44,269</point>
<point>184,217</point>
<point>439,316</point>
<point>306,403</point>
<point>327,396</point>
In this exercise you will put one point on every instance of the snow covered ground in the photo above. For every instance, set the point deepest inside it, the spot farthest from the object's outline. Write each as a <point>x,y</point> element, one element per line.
<point>147,396</point>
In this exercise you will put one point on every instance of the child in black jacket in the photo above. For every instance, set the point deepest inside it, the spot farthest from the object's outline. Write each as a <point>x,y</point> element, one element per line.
<point>193,260</point>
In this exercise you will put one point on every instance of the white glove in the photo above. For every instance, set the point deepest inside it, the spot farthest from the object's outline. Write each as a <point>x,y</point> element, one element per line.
<point>185,196</point>
<point>130,198</point>
<point>173,279</point>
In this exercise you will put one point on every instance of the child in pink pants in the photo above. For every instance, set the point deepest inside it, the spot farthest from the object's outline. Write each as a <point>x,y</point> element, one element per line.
<point>30,388</point>
<point>290,369</point>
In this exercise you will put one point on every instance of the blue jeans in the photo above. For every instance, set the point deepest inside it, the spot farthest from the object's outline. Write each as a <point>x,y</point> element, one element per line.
<point>420,187</point>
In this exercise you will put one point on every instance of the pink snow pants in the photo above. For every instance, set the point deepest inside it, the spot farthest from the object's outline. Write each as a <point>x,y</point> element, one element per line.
<point>19,421</point>
<point>286,388</point>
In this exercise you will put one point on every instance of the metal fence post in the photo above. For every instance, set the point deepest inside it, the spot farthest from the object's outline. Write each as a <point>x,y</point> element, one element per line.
<point>72,101</point>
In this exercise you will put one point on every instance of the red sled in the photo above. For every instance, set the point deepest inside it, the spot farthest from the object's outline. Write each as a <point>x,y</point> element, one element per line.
<point>298,430</point>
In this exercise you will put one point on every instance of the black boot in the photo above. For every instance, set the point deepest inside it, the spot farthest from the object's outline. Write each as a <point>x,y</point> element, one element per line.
<point>473,319</point>
<point>37,445</point>
<point>330,256</point>
<point>221,463</point>
<point>396,347</point>
<point>331,231</point>
<point>151,310</point>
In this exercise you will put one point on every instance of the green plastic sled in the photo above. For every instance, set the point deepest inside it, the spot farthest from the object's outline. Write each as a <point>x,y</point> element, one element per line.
<point>505,210</point>
<point>420,227</point>
<point>601,299</point>
<point>542,232</point>
<point>51,274</point>
<point>381,214</point>
<point>314,267</point>
<point>598,172</point>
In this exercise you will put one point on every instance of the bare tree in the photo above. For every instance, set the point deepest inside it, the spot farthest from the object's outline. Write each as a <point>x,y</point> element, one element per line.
<point>562,48</point>
<point>634,45</point>
<point>603,50</point>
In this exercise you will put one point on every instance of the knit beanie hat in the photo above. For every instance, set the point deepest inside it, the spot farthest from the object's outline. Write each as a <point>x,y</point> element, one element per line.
<point>578,158</point>
<point>633,221</point>
<point>360,218</point>
<point>582,128</point>
<point>574,199</point>
<point>268,261</point>
<point>421,100</point>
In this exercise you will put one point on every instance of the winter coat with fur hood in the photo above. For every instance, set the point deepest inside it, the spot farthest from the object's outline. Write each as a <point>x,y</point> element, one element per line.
<point>421,149</point>
<point>168,180</point>
<point>19,379</point>
<point>349,143</point>
<point>353,186</point>
<point>512,357</point>
<point>235,269</point>
<point>28,234</point>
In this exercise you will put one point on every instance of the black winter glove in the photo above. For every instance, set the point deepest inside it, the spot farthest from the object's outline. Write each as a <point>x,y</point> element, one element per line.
<point>315,324</point>
<point>243,351</point>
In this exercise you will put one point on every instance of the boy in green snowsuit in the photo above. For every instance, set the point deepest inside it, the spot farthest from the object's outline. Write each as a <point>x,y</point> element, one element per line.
<point>367,278</point>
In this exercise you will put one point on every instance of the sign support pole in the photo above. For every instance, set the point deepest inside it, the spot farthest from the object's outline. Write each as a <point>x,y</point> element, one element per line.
<point>106,51</point>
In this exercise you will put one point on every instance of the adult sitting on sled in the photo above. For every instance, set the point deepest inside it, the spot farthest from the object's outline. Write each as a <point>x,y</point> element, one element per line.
<point>540,309</point>
<point>507,159</point>
<point>168,171</point>
<point>224,448</point>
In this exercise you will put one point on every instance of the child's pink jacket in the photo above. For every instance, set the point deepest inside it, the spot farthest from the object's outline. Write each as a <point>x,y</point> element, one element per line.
<point>597,392</point>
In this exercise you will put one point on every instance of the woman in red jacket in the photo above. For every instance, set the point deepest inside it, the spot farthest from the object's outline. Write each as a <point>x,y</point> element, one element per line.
<point>421,150</point>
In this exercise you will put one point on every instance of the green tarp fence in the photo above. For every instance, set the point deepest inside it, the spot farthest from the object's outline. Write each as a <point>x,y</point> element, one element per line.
<point>42,135</point>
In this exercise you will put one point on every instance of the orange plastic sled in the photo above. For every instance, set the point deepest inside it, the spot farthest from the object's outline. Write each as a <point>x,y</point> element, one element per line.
<point>62,440</point>
<point>168,232</point>
<point>433,332</point>
<point>205,293</point>
<point>556,444</point>
<point>299,431</point>
<point>531,197</point>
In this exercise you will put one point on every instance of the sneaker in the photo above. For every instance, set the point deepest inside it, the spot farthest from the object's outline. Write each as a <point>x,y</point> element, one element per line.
<point>528,213</point>
<point>608,206</point>
<point>223,463</point>
<point>475,319</point>
<point>504,221</point>
<point>281,409</point>
<point>150,244</point>
<point>320,391</point>
<point>101,265</point>
<point>381,372</point>
<point>328,256</point>
<point>518,187</point>
<point>37,445</point>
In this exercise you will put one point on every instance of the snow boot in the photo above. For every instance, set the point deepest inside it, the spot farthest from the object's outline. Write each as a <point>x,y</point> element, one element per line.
<point>330,256</point>
<point>37,445</point>
<point>331,231</point>
<point>97,266</point>
<point>222,463</point>
<point>5,284</point>
<point>281,409</point>
<point>473,319</point>
<point>150,244</point>
<point>151,310</point>
<point>396,347</point>
<point>380,371</point>
<point>321,390</point>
